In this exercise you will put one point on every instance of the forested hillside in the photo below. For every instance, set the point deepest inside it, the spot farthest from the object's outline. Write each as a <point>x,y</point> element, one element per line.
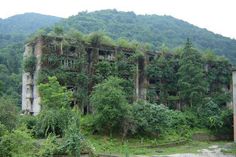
<point>26,23</point>
<point>13,33</point>
<point>153,29</point>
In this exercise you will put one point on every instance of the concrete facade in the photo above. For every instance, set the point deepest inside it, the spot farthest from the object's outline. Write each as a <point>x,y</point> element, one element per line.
<point>94,54</point>
<point>71,50</point>
<point>30,95</point>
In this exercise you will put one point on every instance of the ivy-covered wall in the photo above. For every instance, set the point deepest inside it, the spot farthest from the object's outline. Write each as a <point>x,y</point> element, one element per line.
<point>80,65</point>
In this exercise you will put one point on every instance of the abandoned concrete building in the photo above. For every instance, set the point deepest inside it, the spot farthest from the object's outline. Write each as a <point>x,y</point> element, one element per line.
<point>65,52</point>
<point>67,58</point>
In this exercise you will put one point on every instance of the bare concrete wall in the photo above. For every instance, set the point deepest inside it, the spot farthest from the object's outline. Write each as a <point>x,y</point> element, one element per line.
<point>30,95</point>
<point>27,84</point>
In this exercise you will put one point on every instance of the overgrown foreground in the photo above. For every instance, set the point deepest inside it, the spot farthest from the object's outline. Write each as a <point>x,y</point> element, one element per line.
<point>116,127</point>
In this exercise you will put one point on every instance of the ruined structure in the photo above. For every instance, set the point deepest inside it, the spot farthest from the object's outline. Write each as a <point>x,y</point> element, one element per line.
<point>66,58</point>
<point>79,66</point>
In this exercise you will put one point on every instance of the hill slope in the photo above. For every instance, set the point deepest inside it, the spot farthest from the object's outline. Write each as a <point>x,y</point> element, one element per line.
<point>152,29</point>
<point>15,29</point>
<point>26,23</point>
<point>13,32</point>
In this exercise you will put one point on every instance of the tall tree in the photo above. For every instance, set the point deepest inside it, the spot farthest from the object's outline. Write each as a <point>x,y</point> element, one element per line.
<point>110,104</point>
<point>191,82</point>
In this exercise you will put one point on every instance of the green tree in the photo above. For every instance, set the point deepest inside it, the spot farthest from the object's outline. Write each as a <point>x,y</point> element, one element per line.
<point>53,95</point>
<point>56,112</point>
<point>191,79</point>
<point>110,104</point>
<point>103,70</point>
<point>48,147</point>
<point>218,74</point>
<point>29,64</point>
<point>18,143</point>
<point>58,30</point>
<point>150,118</point>
<point>73,137</point>
<point>162,73</point>
<point>53,120</point>
<point>8,113</point>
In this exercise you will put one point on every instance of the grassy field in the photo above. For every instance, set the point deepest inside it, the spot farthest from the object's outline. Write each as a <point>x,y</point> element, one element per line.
<point>107,145</point>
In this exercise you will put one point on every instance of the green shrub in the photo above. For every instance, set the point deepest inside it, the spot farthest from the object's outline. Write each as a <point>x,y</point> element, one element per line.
<point>3,130</point>
<point>73,137</point>
<point>8,113</point>
<point>87,123</point>
<point>19,143</point>
<point>217,119</point>
<point>56,112</point>
<point>53,95</point>
<point>151,118</point>
<point>110,105</point>
<point>226,127</point>
<point>29,64</point>
<point>28,120</point>
<point>99,38</point>
<point>49,147</point>
<point>53,121</point>
<point>191,118</point>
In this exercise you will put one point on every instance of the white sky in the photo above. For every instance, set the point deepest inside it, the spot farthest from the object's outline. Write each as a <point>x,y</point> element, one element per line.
<point>218,16</point>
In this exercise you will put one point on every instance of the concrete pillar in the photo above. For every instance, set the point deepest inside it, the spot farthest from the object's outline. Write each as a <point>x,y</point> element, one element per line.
<point>234,100</point>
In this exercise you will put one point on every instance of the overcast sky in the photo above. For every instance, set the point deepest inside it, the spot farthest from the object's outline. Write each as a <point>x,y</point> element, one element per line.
<point>218,16</point>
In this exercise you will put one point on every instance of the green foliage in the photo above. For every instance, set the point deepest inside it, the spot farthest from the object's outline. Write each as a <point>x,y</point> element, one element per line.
<point>207,113</point>
<point>48,147</point>
<point>19,143</point>
<point>123,42</point>
<point>54,95</point>
<point>152,29</point>
<point>99,38</point>
<point>10,69</point>
<point>58,30</point>
<point>104,69</point>
<point>162,72</point>
<point>227,119</point>
<point>53,121</point>
<point>110,104</point>
<point>219,120</point>
<point>26,23</point>
<point>29,121</point>
<point>8,113</point>
<point>29,64</point>
<point>192,83</point>
<point>151,118</point>
<point>3,130</point>
<point>73,137</point>
<point>218,76</point>
<point>55,114</point>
